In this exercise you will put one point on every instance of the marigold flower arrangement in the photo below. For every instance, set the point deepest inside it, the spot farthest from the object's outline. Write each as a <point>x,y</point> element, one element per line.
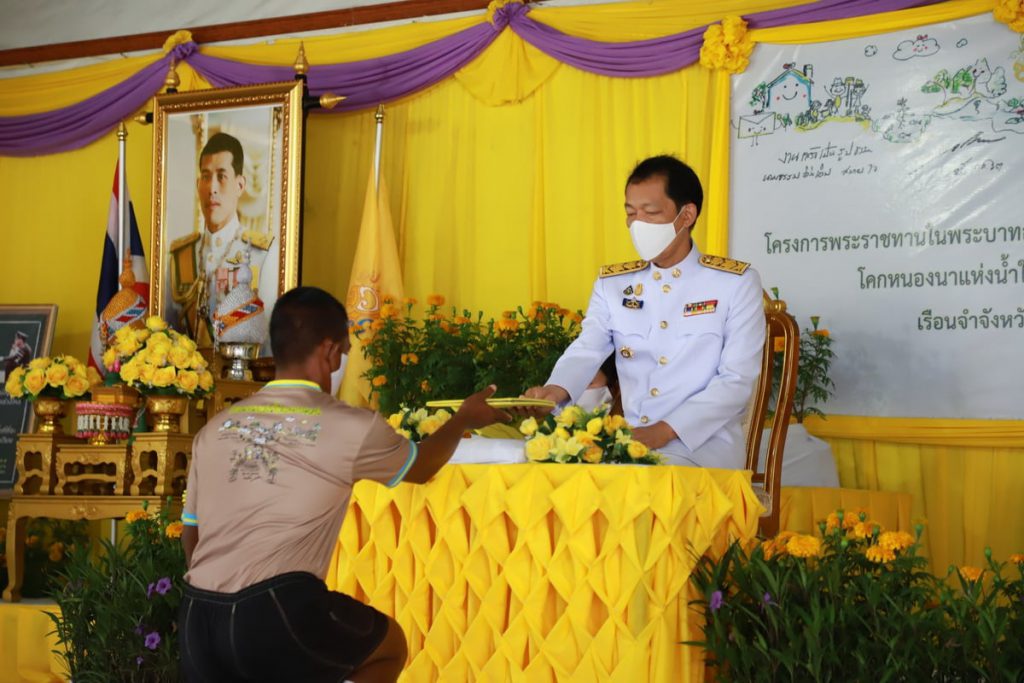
<point>813,384</point>
<point>579,436</point>
<point>448,353</point>
<point>158,360</point>
<point>418,424</point>
<point>63,377</point>
<point>126,594</point>
<point>855,600</point>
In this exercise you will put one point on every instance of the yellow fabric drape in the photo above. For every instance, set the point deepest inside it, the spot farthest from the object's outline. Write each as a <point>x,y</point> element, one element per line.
<point>543,572</point>
<point>802,507</point>
<point>26,644</point>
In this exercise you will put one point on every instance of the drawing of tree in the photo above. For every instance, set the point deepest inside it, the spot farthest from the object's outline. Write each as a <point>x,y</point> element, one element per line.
<point>759,97</point>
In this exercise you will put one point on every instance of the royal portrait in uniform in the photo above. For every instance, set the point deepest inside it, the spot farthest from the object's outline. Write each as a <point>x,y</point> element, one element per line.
<point>226,209</point>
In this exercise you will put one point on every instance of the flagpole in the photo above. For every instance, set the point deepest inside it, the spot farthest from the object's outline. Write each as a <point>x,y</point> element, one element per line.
<point>376,152</point>
<point>122,191</point>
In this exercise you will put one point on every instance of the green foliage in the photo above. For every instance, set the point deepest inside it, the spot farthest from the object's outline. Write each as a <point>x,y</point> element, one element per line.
<point>118,606</point>
<point>856,604</point>
<point>451,356</point>
<point>813,384</point>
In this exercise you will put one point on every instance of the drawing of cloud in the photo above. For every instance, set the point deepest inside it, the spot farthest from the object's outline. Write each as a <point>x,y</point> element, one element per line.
<point>870,50</point>
<point>922,46</point>
<point>962,42</point>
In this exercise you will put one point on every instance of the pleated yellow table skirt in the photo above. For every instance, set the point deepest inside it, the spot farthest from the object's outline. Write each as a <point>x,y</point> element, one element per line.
<point>26,643</point>
<point>543,572</point>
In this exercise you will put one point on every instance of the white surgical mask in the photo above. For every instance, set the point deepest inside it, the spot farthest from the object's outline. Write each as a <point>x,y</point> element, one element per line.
<point>338,375</point>
<point>650,239</point>
<point>593,397</point>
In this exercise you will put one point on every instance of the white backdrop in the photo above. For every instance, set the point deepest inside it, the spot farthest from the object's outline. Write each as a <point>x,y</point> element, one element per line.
<point>879,182</point>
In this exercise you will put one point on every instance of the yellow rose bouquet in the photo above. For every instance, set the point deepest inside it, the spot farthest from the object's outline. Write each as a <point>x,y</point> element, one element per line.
<point>63,377</point>
<point>157,360</point>
<point>579,436</point>
<point>418,424</point>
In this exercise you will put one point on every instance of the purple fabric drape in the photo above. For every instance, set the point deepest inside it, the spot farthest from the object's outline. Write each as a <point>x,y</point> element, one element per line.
<point>365,83</point>
<point>372,81</point>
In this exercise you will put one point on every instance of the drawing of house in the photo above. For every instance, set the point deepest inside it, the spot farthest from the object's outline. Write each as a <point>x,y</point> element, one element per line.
<point>790,92</point>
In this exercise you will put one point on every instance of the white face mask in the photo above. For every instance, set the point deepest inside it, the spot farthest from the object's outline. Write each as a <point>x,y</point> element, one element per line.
<point>338,375</point>
<point>650,239</point>
<point>591,398</point>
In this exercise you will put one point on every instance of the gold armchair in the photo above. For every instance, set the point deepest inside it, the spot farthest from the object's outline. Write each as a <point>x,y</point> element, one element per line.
<point>778,325</point>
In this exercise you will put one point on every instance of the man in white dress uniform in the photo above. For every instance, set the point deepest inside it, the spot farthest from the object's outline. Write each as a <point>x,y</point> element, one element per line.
<point>687,329</point>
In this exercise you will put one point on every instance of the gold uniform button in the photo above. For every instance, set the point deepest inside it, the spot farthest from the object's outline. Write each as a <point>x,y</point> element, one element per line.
<point>644,420</point>
<point>664,324</point>
<point>657,276</point>
<point>654,391</point>
<point>676,272</point>
<point>663,361</point>
<point>666,288</point>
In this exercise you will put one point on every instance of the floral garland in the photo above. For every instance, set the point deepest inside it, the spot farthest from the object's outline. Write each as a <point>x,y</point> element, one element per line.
<point>1011,13</point>
<point>579,436</point>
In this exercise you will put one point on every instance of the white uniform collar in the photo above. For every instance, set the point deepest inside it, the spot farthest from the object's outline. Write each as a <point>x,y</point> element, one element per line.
<point>218,243</point>
<point>687,267</point>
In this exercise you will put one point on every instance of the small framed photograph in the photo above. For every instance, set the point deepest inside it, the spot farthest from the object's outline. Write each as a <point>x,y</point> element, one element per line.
<point>226,192</point>
<point>26,332</point>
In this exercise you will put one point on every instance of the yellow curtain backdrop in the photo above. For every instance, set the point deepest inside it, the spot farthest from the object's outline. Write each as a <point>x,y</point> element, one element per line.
<point>494,206</point>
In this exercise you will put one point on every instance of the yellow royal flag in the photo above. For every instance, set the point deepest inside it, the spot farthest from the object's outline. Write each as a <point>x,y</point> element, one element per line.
<point>376,273</point>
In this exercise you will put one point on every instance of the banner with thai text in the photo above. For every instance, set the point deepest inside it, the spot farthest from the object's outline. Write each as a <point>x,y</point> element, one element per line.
<point>878,182</point>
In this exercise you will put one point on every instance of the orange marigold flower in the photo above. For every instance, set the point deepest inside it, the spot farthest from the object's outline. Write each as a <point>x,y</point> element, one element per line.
<point>879,554</point>
<point>387,299</point>
<point>462,320</point>
<point>820,333</point>
<point>1017,558</point>
<point>32,541</point>
<point>970,573</point>
<point>895,540</point>
<point>388,311</point>
<point>409,301</point>
<point>56,551</point>
<point>135,515</point>
<point>832,522</point>
<point>804,546</point>
<point>575,317</point>
<point>425,386</point>
<point>508,315</point>
<point>435,300</point>
<point>850,519</point>
<point>410,359</point>
<point>779,344</point>
<point>506,325</point>
<point>379,381</point>
<point>864,529</point>
<point>377,325</point>
<point>777,545</point>
<point>174,530</point>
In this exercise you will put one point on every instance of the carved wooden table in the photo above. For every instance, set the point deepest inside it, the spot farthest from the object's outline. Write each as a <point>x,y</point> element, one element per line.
<point>24,508</point>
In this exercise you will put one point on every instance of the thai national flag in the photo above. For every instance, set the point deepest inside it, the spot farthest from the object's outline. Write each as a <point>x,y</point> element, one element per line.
<point>108,285</point>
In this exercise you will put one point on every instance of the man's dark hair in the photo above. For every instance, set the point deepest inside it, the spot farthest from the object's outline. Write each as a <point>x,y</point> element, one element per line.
<point>302,318</point>
<point>222,142</point>
<point>681,184</point>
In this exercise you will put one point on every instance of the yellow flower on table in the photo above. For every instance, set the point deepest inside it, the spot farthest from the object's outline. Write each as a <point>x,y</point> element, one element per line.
<point>595,426</point>
<point>636,450</point>
<point>205,380</point>
<point>537,448</point>
<point>13,385</point>
<point>529,426</point>
<point>57,374</point>
<point>803,545</point>
<point>155,323</point>
<point>196,361</point>
<point>130,371</point>
<point>146,372</point>
<point>593,454</point>
<point>93,375</point>
<point>613,423</point>
<point>405,432</point>
<point>187,381</point>
<point>128,346</point>
<point>569,416</point>
<point>35,381</point>
<point>78,368</point>
<point>163,377</point>
<point>585,438</point>
<point>76,386</point>
<point>395,420</point>
<point>180,357</point>
<point>39,363</point>
<point>562,433</point>
<point>880,554</point>
<point>430,425</point>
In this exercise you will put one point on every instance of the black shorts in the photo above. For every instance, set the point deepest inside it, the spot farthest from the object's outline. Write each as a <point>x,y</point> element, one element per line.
<point>288,628</point>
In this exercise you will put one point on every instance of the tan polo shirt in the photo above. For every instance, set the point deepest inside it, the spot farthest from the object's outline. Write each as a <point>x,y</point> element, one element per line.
<point>271,478</point>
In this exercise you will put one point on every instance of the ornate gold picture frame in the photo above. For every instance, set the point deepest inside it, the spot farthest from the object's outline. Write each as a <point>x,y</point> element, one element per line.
<point>226,206</point>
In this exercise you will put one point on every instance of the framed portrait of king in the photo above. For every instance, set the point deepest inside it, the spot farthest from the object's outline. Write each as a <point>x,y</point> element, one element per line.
<point>226,199</point>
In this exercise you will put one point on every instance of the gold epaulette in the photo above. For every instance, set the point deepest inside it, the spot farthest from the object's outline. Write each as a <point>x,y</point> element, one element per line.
<point>729,265</point>
<point>183,242</point>
<point>624,267</point>
<point>258,239</point>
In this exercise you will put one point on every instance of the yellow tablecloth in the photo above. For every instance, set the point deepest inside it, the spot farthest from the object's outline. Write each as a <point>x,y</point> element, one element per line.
<point>802,507</point>
<point>543,572</point>
<point>26,643</point>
